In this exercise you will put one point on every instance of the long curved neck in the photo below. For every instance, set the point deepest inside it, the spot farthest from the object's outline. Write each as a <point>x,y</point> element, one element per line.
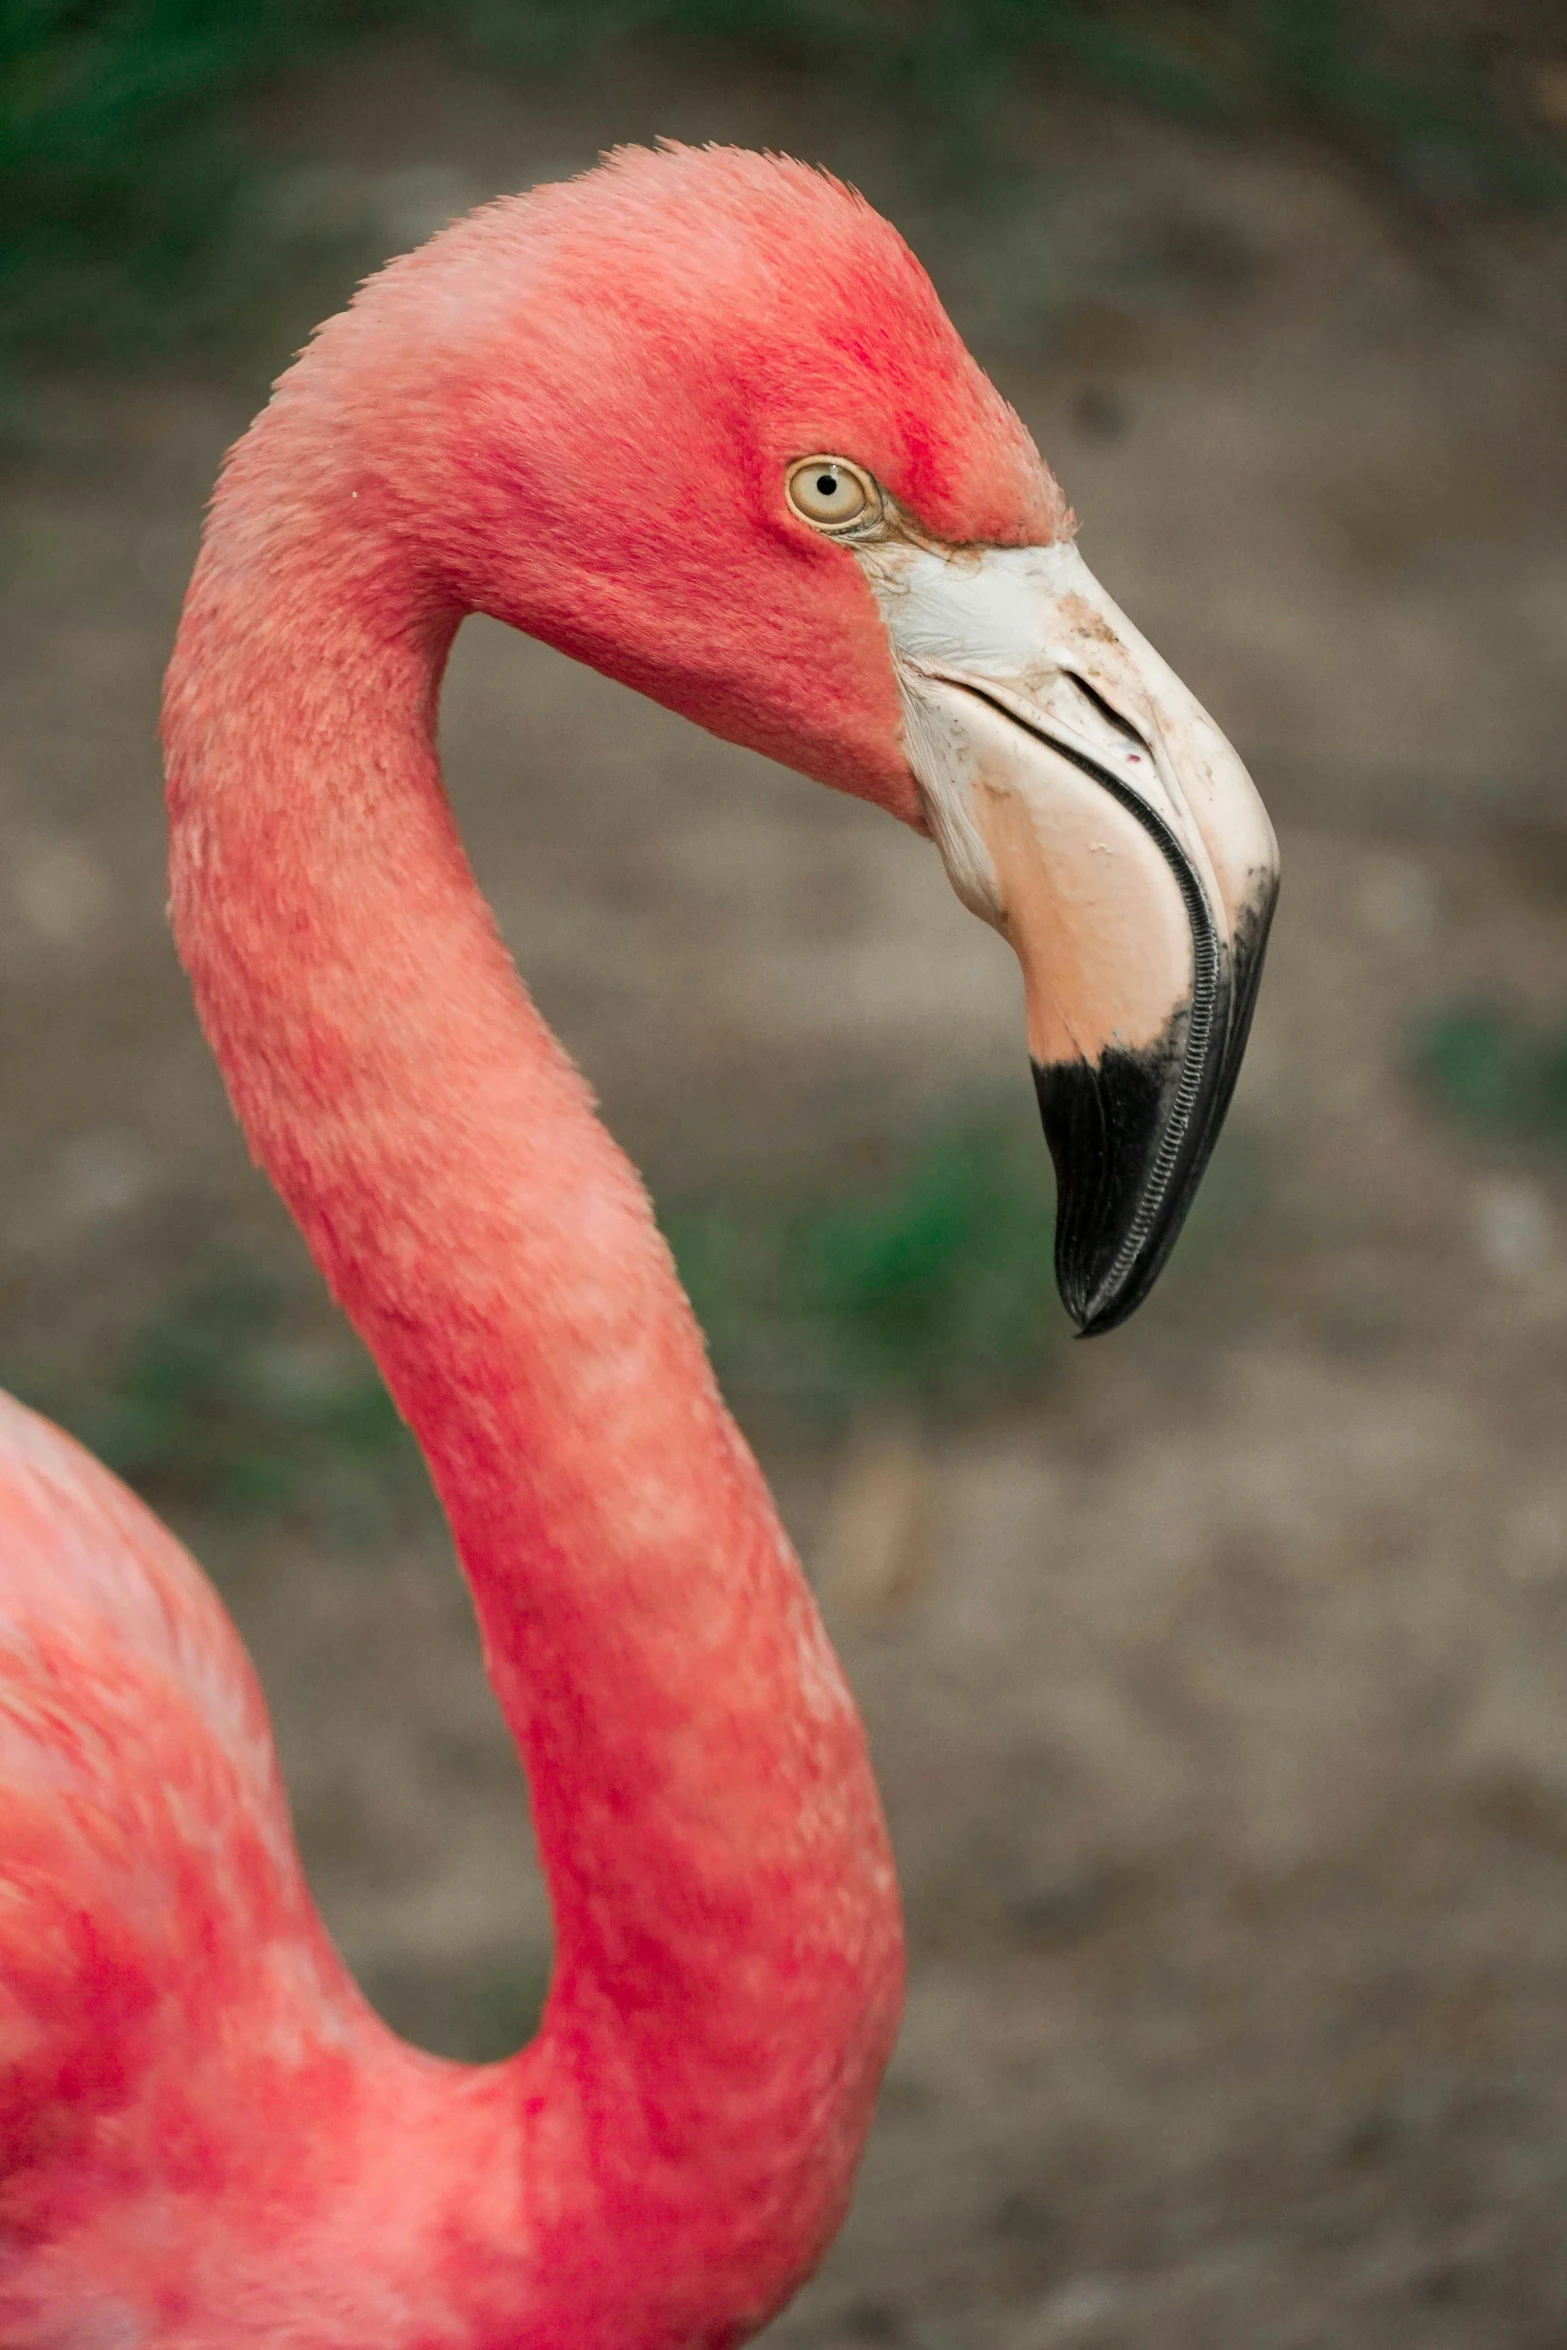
<point>727,1950</point>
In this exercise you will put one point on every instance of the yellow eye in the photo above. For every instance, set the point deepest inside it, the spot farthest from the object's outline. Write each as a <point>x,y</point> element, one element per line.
<point>832,493</point>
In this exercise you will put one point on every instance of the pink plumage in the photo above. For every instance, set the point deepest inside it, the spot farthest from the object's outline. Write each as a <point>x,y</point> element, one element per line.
<point>570,410</point>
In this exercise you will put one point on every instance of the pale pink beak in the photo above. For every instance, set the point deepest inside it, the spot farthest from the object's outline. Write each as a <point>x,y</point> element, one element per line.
<point>1088,807</point>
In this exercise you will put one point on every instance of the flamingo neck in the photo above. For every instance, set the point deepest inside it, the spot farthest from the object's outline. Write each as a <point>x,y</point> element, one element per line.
<point>727,1951</point>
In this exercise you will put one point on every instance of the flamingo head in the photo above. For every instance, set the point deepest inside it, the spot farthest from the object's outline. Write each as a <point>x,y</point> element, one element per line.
<point>698,419</point>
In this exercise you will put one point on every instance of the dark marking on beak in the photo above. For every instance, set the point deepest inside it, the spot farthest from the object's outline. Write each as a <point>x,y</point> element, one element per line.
<point>1131,1135</point>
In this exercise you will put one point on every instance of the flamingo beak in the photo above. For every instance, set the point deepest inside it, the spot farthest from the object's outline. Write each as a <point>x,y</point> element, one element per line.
<point>1086,805</point>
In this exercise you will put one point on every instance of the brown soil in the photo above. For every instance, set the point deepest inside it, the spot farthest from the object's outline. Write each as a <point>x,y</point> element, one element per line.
<point>1219,1693</point>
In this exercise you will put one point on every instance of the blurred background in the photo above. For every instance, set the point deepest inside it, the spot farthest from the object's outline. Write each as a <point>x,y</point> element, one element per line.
<point>1217,1672</point>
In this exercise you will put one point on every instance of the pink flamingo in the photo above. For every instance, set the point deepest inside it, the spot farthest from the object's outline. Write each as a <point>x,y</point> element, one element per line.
<point>698,419</point>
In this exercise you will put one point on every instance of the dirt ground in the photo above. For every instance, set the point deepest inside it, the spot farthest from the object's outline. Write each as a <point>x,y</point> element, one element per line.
<point>1219,1691</point>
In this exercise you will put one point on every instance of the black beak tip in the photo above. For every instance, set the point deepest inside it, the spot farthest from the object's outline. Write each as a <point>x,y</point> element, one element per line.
<point>1110,1316</point>
<point>1076,1288</point>
<point>1103,1125</point>
<point>1131,1135</point>
<point>1097,1312</point>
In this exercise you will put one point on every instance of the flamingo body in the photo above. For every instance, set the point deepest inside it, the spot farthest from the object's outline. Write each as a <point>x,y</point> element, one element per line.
<point>186,2061</point>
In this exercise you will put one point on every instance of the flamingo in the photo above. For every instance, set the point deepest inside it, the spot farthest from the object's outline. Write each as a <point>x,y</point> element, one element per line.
<point>697,419</point>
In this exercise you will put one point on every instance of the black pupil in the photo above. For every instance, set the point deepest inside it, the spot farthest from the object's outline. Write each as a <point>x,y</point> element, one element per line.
<point>827,484</point>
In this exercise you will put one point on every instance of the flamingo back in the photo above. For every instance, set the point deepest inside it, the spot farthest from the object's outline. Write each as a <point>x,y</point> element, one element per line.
<point>170,2006</point>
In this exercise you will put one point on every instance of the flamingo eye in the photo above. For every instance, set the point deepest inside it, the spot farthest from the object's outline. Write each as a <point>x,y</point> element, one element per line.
<point>831,493</point>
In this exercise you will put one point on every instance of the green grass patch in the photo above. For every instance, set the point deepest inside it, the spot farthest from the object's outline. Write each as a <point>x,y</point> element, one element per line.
<point>217,1404</point>
<point>124,191</point>
<point>930,1279</point>
<point>1500,1075</point>
<point>133,203</point>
